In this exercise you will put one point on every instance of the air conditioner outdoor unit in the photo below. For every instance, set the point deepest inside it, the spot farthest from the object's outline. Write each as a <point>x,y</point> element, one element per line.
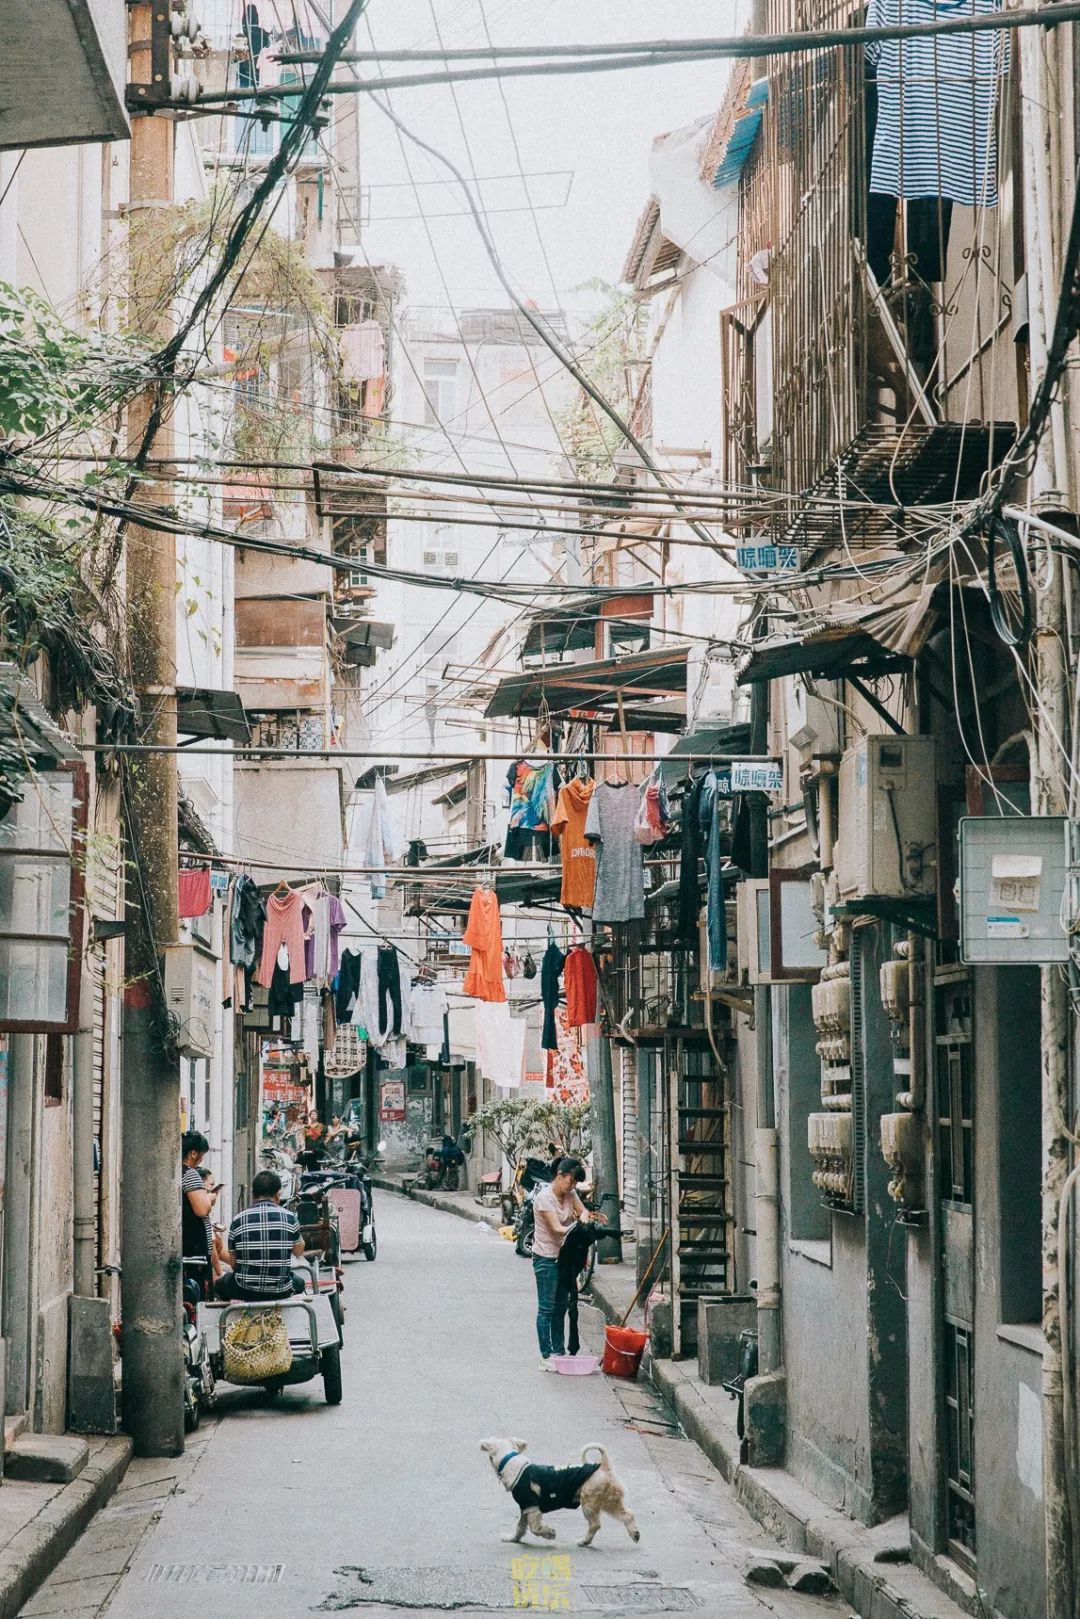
<point>887,841</point>
<point>191,985</point>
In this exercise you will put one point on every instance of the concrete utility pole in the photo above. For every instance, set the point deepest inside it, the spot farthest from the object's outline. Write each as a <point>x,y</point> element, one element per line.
<point>152,1355</point>
<point>1049,177</point>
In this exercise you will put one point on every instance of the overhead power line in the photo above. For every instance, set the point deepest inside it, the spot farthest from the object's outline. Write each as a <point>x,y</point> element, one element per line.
<point>570,59</point>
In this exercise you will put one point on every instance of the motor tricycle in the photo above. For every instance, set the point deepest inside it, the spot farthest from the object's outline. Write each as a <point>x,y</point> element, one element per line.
<point>314,1334</point>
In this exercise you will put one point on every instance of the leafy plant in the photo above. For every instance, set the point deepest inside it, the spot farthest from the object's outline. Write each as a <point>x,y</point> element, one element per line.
<point>53,377</point>
<point>516,1123</point>
<point>614,343</point>
<point>569,1126</point>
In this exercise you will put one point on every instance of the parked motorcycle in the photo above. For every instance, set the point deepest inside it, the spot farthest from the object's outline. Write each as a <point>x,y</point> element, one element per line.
<point>199,1385</point>
<point>284,1167</point>
<point>442,1165</point>
<point>348,1190</point>
<point>530,1176</point>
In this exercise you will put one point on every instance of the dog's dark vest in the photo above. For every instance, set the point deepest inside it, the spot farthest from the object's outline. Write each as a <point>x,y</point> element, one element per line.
<point>551,1489</point>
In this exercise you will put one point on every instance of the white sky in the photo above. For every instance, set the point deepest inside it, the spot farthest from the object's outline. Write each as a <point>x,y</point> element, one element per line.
<point>599,126</point>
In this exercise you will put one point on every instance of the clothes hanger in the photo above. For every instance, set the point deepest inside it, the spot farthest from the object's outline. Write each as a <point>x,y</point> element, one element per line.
<point>282,888</point>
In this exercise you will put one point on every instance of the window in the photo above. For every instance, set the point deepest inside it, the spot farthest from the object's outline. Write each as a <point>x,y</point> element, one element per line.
<point>299,731</point>
<point>441,553</point>
<point>440,391</point>
<point>41,894</point>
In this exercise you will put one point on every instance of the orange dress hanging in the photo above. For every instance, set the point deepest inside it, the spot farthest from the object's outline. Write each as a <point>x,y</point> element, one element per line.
<point>484,979</point>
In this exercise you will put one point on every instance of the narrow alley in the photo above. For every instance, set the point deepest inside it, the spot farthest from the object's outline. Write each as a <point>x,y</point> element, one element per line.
<point>386,1503</point>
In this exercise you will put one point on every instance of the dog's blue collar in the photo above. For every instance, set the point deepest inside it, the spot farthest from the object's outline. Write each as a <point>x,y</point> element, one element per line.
<point>507,1458</point>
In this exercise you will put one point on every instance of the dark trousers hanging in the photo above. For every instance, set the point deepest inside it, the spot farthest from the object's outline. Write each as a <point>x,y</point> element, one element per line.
<point>389,982</point>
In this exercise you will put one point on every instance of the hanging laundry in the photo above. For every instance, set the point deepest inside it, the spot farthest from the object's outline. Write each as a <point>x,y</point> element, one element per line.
<point>194,896</point>
<point>550,972</point>
<point>567,1077</point>
<point>285,995</point>
<point>427,1010</point>
<point>500,1043</point>
<point>382,845</point>
<point>654,816</point>
<point>363,352</point>
<point>311,1025</point>
<point>620,873</point>
<point>388,970</point>
<point>483,933</point>
<point>579,976</point>
<point>937,103</point>
<point>284,925</point>
<point>325,922</point>
<point>347,985</point>
<point>689,904</point>
<point>247,920</point>
<point>531,786</point>
<point>715,904</point>
<point>578,854</point>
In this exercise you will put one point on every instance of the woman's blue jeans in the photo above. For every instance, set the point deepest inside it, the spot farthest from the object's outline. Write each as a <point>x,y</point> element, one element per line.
<point>552,1303</point>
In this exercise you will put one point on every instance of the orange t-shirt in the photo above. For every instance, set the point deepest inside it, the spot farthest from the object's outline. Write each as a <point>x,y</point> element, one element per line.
<point>578,856</point>
<point>484,979</point>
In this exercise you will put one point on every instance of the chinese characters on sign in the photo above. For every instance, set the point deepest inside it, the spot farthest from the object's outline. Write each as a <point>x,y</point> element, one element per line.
<point>541,1582</point>
<point>757,776</point>
<point>392,1099</point>
<point>766,558</point>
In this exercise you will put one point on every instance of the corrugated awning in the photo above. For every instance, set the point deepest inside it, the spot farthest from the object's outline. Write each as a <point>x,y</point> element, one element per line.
<point>880,641</point>
<point>573,629</point>
<point>722,741</point>
<point>26,724</point>
<point>565,687</point>
<point>747,116</point>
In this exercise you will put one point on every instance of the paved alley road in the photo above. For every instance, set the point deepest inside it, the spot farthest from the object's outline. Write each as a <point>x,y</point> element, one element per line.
<point>385,1504</point>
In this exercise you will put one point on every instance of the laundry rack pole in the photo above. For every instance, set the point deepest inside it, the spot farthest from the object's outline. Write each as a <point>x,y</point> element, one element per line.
<point>254,755</point>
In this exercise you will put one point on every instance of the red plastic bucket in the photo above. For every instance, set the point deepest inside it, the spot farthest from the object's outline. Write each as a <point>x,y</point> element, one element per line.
<point>623,1349</point>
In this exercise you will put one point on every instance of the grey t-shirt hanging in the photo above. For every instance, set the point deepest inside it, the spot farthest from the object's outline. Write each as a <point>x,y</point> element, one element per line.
<point>620,874</point>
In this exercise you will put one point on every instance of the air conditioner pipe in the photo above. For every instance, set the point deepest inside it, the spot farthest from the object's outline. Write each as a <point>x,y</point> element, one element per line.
<point>914,1098</point>
<point>82,1144</point>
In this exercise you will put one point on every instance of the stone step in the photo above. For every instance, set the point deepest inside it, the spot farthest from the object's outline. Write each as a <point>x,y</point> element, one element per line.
<point>46,1458</point>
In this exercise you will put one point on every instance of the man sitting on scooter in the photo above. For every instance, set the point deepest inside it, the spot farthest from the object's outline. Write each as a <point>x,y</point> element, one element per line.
<point>262,1242</point>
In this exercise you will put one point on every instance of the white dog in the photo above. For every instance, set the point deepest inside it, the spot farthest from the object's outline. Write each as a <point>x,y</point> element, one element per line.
<point>538,1489</point>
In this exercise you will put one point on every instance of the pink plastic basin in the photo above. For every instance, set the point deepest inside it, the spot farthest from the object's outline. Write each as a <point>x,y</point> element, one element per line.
<point>576,1365</point>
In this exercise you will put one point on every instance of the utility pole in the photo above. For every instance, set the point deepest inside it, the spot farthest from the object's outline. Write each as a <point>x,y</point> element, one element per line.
<point>1048,177</point>
<point>151,1282</point>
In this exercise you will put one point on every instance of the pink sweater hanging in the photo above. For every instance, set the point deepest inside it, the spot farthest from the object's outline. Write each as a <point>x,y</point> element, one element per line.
<point>284,926</point>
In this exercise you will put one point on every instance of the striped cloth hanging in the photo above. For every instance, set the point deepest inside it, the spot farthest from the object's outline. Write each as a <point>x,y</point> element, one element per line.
<point>936,130</point>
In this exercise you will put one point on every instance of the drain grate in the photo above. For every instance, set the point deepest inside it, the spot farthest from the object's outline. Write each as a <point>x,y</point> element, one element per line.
<point>643,1598</point>
<point>215,1573</point>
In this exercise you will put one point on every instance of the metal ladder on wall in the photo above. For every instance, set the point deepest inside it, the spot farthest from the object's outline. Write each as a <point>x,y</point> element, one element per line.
<point>698,1188</point>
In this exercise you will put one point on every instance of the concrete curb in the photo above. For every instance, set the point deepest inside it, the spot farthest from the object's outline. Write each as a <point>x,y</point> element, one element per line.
<point>856,1557</point>
<point>445,1203</point>
<point>31,1555</point>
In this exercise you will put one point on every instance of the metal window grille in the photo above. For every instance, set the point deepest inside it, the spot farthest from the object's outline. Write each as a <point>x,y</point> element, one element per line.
<point>960,1442</point>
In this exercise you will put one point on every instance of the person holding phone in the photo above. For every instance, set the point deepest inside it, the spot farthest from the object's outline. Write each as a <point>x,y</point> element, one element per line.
<point>217,1232</point>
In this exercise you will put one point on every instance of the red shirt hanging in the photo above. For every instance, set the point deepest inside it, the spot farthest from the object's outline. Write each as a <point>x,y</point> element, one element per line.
<point>193,891</point>
<point>579,979</point>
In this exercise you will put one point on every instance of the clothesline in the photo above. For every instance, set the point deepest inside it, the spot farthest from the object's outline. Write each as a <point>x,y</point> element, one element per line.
<point>387,755</point>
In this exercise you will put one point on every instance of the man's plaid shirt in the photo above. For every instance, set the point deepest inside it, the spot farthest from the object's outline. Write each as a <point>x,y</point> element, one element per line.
<point>262,1239</point>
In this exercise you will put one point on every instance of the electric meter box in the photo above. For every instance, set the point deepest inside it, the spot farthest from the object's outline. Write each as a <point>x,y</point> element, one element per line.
<point>191,983</point>
<point>886,846</point>
<point>1013,870</point>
